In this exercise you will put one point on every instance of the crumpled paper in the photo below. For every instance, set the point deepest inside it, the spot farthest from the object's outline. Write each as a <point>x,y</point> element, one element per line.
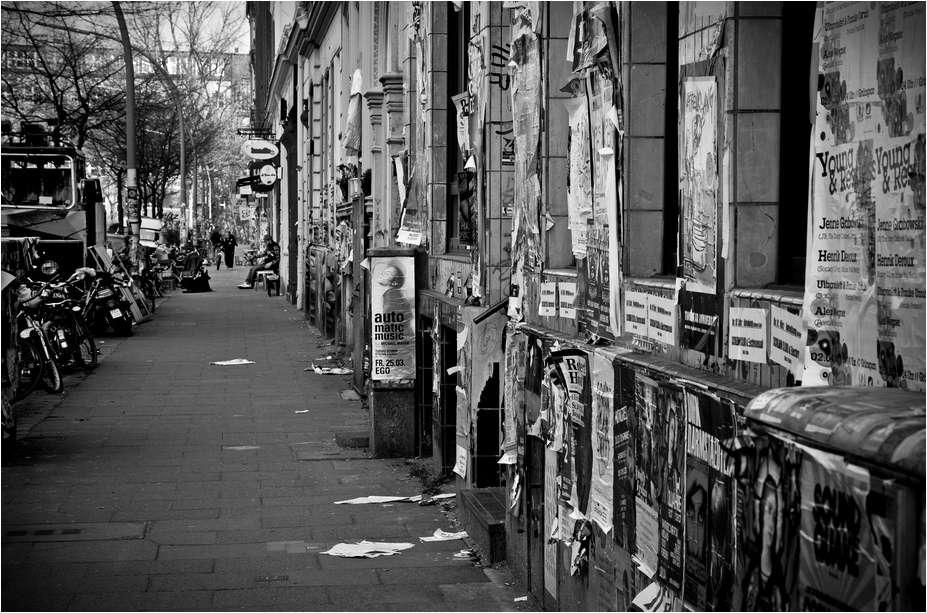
<point>234,362</point>
<point>441,535</point>
<point>366,549</point>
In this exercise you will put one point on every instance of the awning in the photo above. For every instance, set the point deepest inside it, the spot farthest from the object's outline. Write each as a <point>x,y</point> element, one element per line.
<point>882,425</point>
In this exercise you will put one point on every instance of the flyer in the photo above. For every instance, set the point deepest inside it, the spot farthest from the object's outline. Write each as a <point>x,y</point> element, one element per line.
<point>747,335</point>
<point>603,441</point>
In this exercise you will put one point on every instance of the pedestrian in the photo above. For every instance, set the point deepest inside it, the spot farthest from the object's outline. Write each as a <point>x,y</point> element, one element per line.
<point>216,239</point>
<point>269,259</point>
<point>228,247</point>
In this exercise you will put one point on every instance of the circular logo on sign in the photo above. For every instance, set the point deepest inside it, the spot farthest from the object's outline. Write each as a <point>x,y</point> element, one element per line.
<point>268,174</point>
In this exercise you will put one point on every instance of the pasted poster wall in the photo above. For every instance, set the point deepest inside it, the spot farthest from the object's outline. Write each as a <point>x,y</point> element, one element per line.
<point>698,183</point>
<point>393,318</point>
<point>865,288</point>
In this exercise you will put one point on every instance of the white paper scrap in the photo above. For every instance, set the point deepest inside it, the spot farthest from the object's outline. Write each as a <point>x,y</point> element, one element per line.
<point>366,549</point>
<point>441,535</point>
<point>234,362</point>
<point>374,500</point>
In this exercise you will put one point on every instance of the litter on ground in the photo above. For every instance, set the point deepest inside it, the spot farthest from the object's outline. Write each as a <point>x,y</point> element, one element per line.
<point>441,535</point>
<point>381,499</point>
<point>234,362</point>
<point>331,371</point>
<point>366,549</point>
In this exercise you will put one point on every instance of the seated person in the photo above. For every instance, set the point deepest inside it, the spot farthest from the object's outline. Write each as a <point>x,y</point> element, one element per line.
<point>194,278</point>
<point>269,259</point>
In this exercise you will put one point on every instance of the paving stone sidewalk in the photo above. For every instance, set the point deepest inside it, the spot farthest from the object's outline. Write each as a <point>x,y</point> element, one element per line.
<point>162,482</point>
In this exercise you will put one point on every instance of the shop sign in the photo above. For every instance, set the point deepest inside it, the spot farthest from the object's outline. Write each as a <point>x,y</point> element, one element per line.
<point>258,149</point>
<point>268,174</point>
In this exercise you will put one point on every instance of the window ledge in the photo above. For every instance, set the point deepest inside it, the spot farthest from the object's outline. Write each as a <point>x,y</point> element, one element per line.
<point>777,295</point>
<point>665,283</point>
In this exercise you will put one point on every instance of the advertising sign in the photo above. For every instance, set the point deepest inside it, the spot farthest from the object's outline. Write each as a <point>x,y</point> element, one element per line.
<point>392,289</point>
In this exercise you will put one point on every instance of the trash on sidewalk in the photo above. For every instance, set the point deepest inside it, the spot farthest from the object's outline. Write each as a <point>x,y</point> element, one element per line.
<point>441,535</point>
<point>374,500</point>
<point>465,554</point>
<point>366,549</point>
<point>381,499</point>
<point>330,371</point>
<point>521,599</point>
<point>234,362</point>
<point>303,411</point>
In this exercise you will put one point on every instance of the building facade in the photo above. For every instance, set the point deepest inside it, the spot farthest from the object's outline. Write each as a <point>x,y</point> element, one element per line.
<point>567,245</point>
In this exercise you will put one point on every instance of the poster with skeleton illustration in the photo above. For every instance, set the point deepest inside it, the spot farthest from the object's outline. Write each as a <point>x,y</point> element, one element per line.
<point>698,183</point>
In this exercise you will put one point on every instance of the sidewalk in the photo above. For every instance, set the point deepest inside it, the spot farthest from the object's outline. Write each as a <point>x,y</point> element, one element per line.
<point>161,482</point>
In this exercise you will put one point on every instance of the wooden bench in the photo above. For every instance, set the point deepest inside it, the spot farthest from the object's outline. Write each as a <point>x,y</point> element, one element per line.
<point>268,280</point>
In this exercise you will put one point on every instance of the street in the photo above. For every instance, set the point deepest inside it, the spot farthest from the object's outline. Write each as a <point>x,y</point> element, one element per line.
<point>162,482</point>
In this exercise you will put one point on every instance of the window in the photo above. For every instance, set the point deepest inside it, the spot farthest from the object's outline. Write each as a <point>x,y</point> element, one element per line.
<point>458,23</point>
<point>796,116</point>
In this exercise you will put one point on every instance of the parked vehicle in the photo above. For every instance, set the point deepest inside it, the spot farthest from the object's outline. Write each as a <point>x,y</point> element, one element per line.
<point>61,316</point>
<point>103,304</point>
<point>36,356</point>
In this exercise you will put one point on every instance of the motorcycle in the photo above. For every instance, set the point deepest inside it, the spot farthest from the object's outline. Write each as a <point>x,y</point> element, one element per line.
<point>36,357</point>
<point>61,317</point>
<point>103,305</point>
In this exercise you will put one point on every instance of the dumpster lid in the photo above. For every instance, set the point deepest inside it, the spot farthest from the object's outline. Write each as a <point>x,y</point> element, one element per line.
<point>882,425</point>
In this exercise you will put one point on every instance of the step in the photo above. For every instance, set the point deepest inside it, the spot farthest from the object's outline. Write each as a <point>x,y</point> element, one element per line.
<point>357,439</point>
<point>483,512</point>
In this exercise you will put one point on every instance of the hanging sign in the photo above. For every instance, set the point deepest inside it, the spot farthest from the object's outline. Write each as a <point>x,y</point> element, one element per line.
<point>258,149</point>
<point>268,174</point>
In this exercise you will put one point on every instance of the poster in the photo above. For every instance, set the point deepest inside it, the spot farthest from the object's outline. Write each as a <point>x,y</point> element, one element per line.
<point>548,300</point>
<point>636,308</point>
<point>709,510</point>
<point>747,335</point>
<point>642,432</point>
<point>699,321</point>
<point>670,453</point>
<point>625,400</point>
<point>661,319</point>
<point>767,566</point>
<point>698,183</point>
<point>566,300</point>
<point>787,339</point>
<point>551,522</point>
<point>579,190</point>
<point>467,208</point>
<point>865,279</point>
<point>837,570</point>
<point>603,441</point>
<point>462,102</point>
<point>393,318</point>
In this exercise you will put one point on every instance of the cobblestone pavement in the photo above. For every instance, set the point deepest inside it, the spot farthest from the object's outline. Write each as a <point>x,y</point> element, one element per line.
<point>161,482</point>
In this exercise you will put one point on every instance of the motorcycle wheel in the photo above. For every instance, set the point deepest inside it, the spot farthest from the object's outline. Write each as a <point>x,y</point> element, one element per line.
<point>30,361</point>
<point>85,349</point>
<point>52,380</point>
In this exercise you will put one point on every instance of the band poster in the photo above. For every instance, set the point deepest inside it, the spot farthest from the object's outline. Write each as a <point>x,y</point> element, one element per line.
<point>767,566</point>
<point>670,452</point>
<point>624,458</point>
<point>393,318</point>
<point>837,570</point>
<point>698,183</point>
<point>709,509</point>
<point>647,522</point>
<point>865,289</point>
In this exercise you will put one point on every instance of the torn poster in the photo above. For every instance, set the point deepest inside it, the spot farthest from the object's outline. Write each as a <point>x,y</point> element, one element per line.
<point>579,189</point>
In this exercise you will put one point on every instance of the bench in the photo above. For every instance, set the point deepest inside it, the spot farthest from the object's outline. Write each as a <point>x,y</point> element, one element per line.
<point>268,279</point>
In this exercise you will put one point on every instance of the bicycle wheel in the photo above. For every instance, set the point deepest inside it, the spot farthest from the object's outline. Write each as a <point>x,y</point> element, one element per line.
<point>30,361</point>
<point>52,380</point>
<point>85,349</point>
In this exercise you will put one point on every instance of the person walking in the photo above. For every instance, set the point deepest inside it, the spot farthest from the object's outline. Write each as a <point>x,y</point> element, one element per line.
<point>269,259</point>
<point>228,248</point>
<point>216,239</point>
